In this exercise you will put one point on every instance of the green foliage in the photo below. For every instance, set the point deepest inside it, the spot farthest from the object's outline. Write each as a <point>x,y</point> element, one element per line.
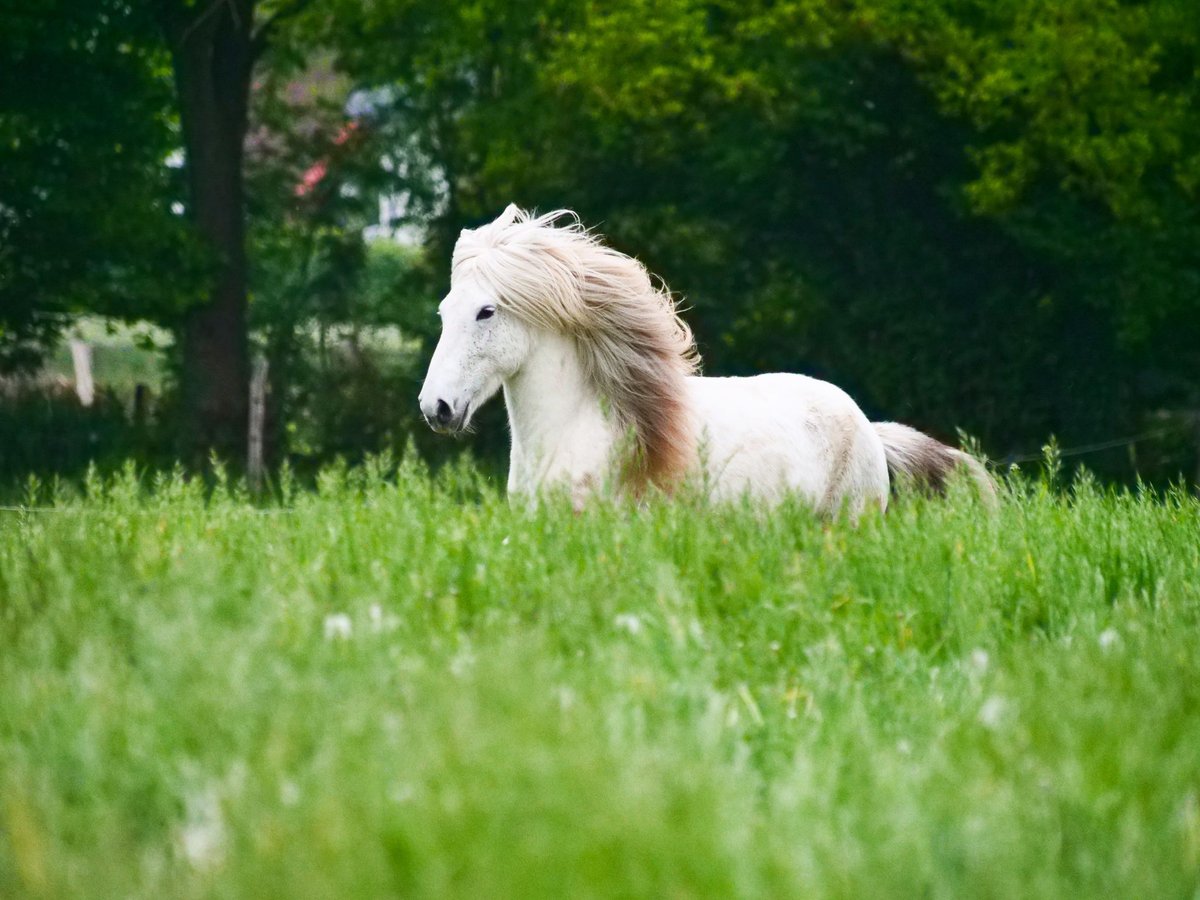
<point>1095,95</point>
<point>325,299</point>
<point>85,195</point>
<point>1086,146</point>
<point>45,433</point>
<point>405,685</point>
<point>308,170</point>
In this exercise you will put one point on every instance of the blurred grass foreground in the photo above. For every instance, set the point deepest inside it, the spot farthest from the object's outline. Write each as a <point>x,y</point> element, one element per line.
<point>399,684</point>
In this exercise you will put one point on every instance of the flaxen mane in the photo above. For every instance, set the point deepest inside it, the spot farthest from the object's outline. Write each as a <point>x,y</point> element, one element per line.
<point>631,341</point>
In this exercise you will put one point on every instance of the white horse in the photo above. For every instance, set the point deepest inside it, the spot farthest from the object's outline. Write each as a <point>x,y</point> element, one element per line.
<point>598,370</point>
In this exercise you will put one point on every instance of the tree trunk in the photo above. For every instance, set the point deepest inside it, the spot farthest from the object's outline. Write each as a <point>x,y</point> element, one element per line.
<point>213,56</point>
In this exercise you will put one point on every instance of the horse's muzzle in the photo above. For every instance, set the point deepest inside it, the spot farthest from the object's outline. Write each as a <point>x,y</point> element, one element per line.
<point>442,418</point>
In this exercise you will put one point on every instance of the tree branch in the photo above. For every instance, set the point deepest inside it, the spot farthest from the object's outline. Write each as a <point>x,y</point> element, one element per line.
<point>262,34</point>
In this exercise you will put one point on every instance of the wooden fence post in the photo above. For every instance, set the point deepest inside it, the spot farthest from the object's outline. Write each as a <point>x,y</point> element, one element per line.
<point>141,395</point>
<point>81,357</point>
<point>258,418</point>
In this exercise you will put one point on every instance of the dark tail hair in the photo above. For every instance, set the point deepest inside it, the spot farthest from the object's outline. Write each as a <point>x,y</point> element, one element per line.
<point>918,458</point>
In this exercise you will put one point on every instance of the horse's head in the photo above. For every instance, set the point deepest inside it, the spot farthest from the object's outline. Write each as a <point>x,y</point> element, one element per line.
<point>481,345</point>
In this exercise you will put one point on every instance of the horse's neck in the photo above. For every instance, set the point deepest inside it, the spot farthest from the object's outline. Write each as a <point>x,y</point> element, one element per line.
<point>559,431</point>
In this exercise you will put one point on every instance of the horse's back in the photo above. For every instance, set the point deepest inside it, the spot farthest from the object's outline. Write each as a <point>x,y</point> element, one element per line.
<point>769,435</point>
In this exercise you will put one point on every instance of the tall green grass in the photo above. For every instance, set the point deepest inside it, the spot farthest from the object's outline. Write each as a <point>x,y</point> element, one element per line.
<point>399,684</point>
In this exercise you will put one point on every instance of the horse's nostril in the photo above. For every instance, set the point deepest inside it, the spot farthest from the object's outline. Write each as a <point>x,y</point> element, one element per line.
<point>443,412</point>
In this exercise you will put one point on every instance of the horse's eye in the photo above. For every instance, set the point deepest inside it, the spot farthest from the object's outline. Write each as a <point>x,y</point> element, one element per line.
<point>486,313</point>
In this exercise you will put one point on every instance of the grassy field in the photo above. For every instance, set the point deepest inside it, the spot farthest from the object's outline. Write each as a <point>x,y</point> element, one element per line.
<point>399,685</point>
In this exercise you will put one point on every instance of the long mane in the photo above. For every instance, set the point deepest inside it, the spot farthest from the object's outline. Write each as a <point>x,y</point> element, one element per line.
<point>553,273</point>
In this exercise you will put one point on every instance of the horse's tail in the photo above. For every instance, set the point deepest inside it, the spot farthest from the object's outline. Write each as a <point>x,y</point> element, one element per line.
<point>918,458</point>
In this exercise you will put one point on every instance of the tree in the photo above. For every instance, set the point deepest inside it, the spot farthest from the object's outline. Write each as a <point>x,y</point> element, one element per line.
<point>87,204</point>
<point>214,46</point>
<point>86,220</point>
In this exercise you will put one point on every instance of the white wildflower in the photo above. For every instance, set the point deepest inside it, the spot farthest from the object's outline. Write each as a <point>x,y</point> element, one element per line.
<point>462,662</point>
<point>992,711</point>
<point>337,627</point>
<point>289,793</point>
<point>628,622</point>
<point>979,659</point>
<point>202,836</point>
<point>1108,639</point>
<point>380,619</point>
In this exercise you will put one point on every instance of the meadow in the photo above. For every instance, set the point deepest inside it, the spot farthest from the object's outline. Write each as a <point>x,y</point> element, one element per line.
<point>396,683</point>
